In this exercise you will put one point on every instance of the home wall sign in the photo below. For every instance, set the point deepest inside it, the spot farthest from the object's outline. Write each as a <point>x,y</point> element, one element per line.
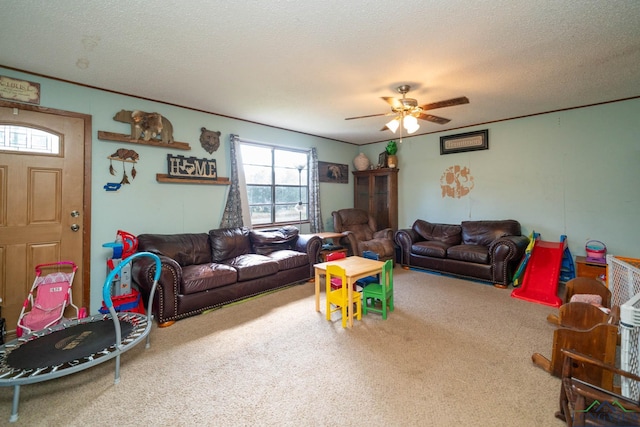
<point>470,141</point>
<point>19,90</point>
<point>191,167</point>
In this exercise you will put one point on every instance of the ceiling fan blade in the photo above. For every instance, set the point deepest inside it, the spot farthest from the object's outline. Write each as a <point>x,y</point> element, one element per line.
<point>446,103</point>
<point>363,117</point>
<point>394,102</point>
<point>434,119</point>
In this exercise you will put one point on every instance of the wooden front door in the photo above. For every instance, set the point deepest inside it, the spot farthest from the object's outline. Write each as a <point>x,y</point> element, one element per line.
<point>42,209</point>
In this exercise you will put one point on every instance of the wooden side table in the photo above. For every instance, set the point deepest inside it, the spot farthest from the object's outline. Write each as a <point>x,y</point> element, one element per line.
<point>334,237</point>
<point>585,268</point>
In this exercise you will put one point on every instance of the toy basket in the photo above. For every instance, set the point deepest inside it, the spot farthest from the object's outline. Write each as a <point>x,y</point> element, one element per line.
<point>596,250</point>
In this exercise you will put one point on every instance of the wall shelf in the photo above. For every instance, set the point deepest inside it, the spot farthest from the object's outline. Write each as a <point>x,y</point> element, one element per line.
<point>120,137</point>
<point>161,177</point>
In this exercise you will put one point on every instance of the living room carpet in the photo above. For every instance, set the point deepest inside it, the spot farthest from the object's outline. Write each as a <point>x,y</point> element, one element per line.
<point>454,352</point>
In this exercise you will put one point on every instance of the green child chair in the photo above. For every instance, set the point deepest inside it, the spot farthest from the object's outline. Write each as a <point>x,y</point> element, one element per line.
<point>382,291</point>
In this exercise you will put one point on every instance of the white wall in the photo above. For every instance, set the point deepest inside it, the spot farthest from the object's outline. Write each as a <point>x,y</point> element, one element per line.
<point>575,172</point>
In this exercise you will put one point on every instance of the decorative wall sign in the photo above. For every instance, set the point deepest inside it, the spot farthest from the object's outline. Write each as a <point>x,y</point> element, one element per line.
<point>456,182</point>
<point>19,90</point>
<point>190,167</point>
<point>470,141</point>
<point>333,172</point>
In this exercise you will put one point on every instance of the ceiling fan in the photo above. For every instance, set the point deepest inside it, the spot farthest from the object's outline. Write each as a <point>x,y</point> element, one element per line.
<point>407,111</point>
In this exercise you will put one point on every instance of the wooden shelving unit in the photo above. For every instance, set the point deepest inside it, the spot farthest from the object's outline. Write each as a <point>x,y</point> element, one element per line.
<point>161,177</point>
<point>376,191</point>
<point>119,137</point>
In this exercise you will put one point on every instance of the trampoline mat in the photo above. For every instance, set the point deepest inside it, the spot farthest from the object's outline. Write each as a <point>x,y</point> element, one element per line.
<point>66,345</point>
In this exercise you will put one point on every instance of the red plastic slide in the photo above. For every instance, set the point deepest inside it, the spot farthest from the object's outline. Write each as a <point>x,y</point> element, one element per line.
<point>540,282</point>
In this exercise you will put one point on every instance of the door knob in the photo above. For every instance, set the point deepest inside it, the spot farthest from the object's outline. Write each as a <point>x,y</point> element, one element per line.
<point>75,227</point>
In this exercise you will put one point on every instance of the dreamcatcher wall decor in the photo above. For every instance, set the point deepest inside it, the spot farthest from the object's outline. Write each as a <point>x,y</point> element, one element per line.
<point>125,156</point>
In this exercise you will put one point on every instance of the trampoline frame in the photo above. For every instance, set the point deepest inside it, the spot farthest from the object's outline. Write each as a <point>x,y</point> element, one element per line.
<point>142,324</point>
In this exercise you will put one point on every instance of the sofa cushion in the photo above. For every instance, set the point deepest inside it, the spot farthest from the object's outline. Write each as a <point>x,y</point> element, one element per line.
<point>253,266</point>
<point>202,277</point>
<point>288,259</point>
<point>446,233</point>
<point>485,232</point>
<point>469,253</point>
<point>431,248</point>
<point>186,248</point>
<point>227,243</point>
<point>265,242</point>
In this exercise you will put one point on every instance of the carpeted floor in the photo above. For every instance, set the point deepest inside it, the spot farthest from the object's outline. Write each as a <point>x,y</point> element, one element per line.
<point>454,352</point>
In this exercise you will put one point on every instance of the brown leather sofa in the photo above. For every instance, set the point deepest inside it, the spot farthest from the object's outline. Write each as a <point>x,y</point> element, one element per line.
<point>360,233</point>
<point>201,271</point>
<point>484,250</point>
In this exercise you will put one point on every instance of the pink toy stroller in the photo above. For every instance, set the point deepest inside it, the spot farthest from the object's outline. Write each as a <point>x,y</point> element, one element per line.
<point>49,296</point>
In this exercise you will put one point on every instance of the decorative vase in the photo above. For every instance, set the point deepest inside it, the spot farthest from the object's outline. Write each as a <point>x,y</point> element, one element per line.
<point>361,162</point>
<point>392,160</point>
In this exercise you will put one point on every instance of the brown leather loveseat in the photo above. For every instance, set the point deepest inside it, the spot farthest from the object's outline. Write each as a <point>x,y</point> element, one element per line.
<point>485,250</point>
<point>201,271</point>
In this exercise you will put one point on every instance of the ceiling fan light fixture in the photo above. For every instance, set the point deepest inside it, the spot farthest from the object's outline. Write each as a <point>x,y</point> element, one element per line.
<point>410,123</point>
<point>393,125</point>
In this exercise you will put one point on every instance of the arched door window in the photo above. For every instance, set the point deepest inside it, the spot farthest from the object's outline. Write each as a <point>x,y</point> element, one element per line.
<point>28,140</point>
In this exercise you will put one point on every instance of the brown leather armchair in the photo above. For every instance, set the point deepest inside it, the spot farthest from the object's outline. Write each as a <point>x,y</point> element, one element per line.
<point>360,234</point>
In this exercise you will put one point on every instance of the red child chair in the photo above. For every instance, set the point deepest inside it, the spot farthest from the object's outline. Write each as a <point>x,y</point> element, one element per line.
<point>336,282</point>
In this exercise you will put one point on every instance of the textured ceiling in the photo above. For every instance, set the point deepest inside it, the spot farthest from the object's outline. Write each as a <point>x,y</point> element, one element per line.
<point>307,65</point>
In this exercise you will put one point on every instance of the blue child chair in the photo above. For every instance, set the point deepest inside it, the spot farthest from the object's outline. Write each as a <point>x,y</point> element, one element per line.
<point>369,279</point>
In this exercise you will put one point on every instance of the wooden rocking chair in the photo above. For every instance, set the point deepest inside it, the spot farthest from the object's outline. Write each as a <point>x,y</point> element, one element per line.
<point>585,403</point>
<point>599,342</point>
<point>582,286</point>
<point>582,315</point>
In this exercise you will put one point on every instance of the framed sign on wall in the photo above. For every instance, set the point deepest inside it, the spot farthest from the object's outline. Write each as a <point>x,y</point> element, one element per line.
<point>470,141</point>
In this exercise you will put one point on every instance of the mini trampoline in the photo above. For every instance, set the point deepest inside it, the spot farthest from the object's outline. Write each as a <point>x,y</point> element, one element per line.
<point>77,344</point>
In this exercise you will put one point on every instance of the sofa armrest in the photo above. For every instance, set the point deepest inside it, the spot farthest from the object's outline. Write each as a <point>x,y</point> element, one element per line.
<point>386,233</point>
<point>506,252</point>
<point>166,297</point>
<point>350,241</point>
<point>405,238</point>
<point>311,245</point>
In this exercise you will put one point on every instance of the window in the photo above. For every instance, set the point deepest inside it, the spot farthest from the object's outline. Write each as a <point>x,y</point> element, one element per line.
<point>276,181</point>
<point>28,140</point>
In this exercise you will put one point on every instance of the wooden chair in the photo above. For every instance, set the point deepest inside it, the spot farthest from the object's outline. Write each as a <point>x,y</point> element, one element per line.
<point>382,292</point>
<point>599,342</point>
<point>584,403</point>
<point>338,299</point>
